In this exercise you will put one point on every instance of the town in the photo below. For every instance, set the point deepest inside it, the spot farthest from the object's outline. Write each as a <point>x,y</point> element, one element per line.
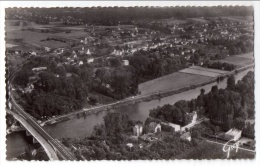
<point>61,64</point>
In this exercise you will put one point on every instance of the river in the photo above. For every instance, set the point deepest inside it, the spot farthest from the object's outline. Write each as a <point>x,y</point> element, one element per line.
<point>79,128</point>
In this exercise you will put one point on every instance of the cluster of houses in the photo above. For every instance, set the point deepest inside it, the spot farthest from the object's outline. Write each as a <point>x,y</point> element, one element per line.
<point>154,127</point>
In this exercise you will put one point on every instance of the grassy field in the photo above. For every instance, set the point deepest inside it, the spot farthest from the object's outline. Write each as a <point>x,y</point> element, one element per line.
<point>239,60</point>
<point>208,150</point>
<point>172,81</point>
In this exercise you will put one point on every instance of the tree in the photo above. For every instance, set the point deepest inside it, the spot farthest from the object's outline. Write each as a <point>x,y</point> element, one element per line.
<point>231,85</point>
<point>214,89</point>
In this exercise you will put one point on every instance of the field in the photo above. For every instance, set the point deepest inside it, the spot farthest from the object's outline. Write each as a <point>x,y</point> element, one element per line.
<point>34,37</point>
<point>200,20</point>
<point>208,150</point>
<point>172,81</point>
<point>239,19</point>
<point>240,60</point>
<point>196,70</point>
<point>171,21</point>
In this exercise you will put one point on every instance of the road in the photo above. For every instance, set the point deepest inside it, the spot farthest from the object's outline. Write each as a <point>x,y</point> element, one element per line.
<point>60,149</point>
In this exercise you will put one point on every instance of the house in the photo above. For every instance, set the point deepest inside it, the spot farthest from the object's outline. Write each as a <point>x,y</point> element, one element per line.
<point>80,63</point>
<point>138,130</point>
<point>186,136</point>
<point>47,49</point>
<point>154,127</point>
<point>90,60</point>
<point>33,53</point>
<point>130,145</point>
<point>125,62</point>
<point>39,69</point>
<point>233,134</point>
<point>88,52</point>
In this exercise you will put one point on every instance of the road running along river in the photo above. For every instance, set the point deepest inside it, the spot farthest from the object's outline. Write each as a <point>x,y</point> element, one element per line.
<point>79,128</point>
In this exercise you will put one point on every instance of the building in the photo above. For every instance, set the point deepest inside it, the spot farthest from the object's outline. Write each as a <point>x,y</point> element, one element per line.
<point>186,136</point>
<point>90,60</point>
<point>125,62</point>
<point>154,127</point>
<point>39,69</point>
<point>80,63</point>
<point>47,49</point>
<point>175,127</point>
<point>33,53</point>
<point>138,130</point>
<point>233,134</point>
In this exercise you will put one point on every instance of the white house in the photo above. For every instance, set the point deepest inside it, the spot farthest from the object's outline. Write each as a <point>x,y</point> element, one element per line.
<point>90,60</point>
<point>125,62</point>
<point>81,63</point>
<point>33,53</point>
<point>137,130</point>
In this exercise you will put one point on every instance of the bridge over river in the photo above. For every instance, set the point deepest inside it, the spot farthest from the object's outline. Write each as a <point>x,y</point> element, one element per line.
<point>54,149</point>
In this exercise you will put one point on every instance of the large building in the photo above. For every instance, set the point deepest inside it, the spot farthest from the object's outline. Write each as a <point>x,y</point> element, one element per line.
<point>233,134</point>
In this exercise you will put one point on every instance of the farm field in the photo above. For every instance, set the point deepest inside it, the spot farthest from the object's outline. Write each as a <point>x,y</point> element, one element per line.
<point>201,71</point>
<point>239,19</point>
<point>34,37</point>
<point>208,69</point>
<point>208,150</point>
<point>172,81</point>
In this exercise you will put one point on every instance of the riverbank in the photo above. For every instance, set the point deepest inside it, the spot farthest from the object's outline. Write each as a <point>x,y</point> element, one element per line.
<point>139,98</point>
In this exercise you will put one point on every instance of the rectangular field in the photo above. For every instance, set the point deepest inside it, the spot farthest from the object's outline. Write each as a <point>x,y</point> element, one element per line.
<point>200,72</point>
<point>172,81</point>
<point>209,70</point>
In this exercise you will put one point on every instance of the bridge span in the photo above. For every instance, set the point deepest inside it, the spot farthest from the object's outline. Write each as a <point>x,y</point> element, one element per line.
<point>54,149</point>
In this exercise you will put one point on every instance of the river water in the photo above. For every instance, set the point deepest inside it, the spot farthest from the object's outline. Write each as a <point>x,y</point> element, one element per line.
<point>79,128</point>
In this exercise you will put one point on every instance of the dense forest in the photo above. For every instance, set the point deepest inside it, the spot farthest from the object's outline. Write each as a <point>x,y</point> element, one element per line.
<point>112,15</point>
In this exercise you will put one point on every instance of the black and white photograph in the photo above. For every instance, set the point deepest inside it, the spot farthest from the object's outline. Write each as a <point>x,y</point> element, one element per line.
<point>129,83</point>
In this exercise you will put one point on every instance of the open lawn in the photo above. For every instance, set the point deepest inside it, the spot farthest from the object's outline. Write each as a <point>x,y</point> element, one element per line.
<point>172,81</point>
<point>208,150</point>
